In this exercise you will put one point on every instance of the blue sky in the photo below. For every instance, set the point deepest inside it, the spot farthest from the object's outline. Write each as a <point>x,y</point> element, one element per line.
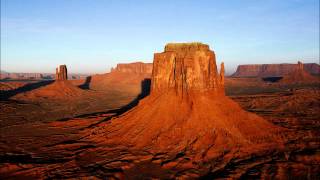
<point>90,36</point>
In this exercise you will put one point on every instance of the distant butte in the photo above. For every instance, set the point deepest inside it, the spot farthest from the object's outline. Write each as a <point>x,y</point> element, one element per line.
<point>61,88</point>
<point>136,67</point>
<point>61,73</point>
<point>299,75</point>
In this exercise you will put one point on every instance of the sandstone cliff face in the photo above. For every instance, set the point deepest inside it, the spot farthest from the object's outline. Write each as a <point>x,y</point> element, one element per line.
<point>273,70</point>
<point>136,67</point>
<point>61,73</point>
<point>185,67</point>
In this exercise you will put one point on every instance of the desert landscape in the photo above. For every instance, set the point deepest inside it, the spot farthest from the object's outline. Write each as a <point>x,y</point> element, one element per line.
<point>179,117</point>
<point>144,90</point>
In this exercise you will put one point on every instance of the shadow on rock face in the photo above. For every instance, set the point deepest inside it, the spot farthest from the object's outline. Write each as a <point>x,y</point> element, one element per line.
<point>5,95</point>
<point>86,84</point>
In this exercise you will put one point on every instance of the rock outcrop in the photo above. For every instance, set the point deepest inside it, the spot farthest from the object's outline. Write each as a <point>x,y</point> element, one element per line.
<point>274,70</point>
<point>136,67</point>
<point>61,73</point>
<point>187,116</point>
<point>299,76</point>
<point>124,78</point>
<point>59,89</point>
<point>185,67</point>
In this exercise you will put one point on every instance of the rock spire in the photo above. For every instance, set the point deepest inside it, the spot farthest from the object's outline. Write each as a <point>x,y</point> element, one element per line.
<point>61,73</point>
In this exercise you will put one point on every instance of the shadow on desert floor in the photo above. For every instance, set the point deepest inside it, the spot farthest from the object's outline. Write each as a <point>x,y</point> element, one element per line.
<point>145,91</point>
<point>5,95</point>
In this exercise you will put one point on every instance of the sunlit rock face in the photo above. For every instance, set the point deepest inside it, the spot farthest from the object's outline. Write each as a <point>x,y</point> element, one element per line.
<point>61,73</point>
<point>186,67</point>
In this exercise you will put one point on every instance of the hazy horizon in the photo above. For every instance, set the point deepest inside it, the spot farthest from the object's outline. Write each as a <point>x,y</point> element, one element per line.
<point>92,36</point>
<point>229,72</point>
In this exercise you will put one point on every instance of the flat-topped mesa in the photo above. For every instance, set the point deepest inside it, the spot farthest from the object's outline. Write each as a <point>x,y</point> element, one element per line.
<point>136,67</point>
<point>61,73</point>
<point>194,46</point>
<point>186,67</point>
<point>275,70</point>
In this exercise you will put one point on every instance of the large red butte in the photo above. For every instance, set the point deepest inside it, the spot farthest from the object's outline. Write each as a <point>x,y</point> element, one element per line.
<point>187,113</point>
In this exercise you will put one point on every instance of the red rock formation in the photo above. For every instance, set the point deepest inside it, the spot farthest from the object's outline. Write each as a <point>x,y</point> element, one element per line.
<point>273,70</point>
<point>187,113</point>
<point>222,75</point>
<point>59,89</point>
<point>185,68</point>
<point>300,66</point>
<point>136,67</point>
<point>61,73</point>
<point>126,78</point>
<point>299,76</point>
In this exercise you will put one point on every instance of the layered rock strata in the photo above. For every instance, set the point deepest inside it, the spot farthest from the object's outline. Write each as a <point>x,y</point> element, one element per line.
<point>186,67</point>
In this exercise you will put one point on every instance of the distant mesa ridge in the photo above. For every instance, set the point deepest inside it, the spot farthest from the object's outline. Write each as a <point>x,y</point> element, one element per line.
<point>269,70</point>
<point>136,67</point>
<point>299,75</point>
<point>60,74</point>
